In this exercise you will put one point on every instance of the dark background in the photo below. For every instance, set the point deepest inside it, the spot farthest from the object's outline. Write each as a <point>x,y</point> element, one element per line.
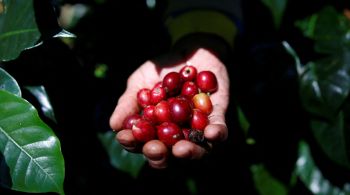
<point>123,35</point>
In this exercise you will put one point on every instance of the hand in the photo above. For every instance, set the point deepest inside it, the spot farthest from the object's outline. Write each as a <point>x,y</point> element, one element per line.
<point>149,74</point>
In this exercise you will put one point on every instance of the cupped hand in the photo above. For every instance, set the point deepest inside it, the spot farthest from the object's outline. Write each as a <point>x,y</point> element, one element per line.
<point>146,76</point>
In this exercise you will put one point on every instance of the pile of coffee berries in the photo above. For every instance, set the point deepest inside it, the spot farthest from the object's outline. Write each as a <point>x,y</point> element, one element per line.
<point>175,108</point>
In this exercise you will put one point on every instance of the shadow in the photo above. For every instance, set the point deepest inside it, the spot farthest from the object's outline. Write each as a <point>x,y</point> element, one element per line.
<point>5,177</point>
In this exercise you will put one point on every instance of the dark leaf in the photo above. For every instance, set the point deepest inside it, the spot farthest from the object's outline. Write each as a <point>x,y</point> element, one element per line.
<point>40,94</point>
<point>119,157</point>
<point>265,183</point>
<point>329,29</point>
<point>312,177</point>
<point>331,138</point>
<point>277,8</point>
<point>18,29</point>
<point>46,17</point>
<point>325,85</point>
<point>8,83</point>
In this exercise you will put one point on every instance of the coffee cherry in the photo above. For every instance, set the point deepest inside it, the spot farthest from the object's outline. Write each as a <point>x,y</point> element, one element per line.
<point>144,97</point>
<point>189,89</point>
<point>158,93</point>
<point>143,131</point>
<point>180,110</point>
<point>202,102</point>
<point>199,120</point>
<point>207,82</point>
<point>130,121</point>
<point>162,112</point>
<point>169,133</point>
<point>172,83</point>
<point>188,73</point>
<point>148,114</point>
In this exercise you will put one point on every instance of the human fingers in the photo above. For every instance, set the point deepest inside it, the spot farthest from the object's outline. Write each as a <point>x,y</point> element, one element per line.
<point>188,150</point>
<point>156,153</point>
<point>127,140</point>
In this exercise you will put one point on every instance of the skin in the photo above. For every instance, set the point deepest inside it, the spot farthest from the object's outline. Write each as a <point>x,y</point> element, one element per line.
<point>147,75</point>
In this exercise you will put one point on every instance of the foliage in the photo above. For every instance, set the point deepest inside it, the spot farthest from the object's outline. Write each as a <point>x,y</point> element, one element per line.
<point>312,176</point>
<point>17,35</point>
<point>277,8</point>
<point>265,183</point>
<point>120,158</point>
<point>325,83</point>
<point>32,154</point>
<point>31,159</point>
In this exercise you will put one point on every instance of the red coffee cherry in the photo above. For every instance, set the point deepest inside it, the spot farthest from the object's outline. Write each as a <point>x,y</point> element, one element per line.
<point>158,93</point>
<point>180,110</point>
<point>169,133</point>
<point>143,131</point>
<point>189,89</point>
<point>199,120</point>
<point>162,112</point>
<point>144,97</point>
<point>188,73</point>
<point>207,82</point>
<point>130,121</point>
<point>172,83</point>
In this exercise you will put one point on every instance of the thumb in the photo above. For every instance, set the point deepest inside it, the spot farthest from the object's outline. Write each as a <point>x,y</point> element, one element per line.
<point>127,105</point>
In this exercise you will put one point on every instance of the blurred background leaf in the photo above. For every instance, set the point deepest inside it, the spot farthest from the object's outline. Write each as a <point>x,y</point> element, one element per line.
<point>39,92</point>
<point>325,82</point>
<point>277,8</point>
<point>19,34</point>
<point>334,138</point>
<point>312,177</point>
<point>265,183</point>
<point>329,28</point>
<point>119,157</point>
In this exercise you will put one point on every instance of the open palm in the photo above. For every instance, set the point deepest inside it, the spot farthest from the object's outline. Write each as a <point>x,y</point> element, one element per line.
<point>146,76</point>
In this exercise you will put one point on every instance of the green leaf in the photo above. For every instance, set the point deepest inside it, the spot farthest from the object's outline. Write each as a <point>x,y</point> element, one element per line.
<point>333,138</point>
<point>8,83</point>
<point>120,158</point>
<point>277,8</point>
<point>243,121</point>
<point>325,85</point>
<point>18,29</point>
<point>31,151</point>
<point>41,95</point>
<point>299,67</point>
<point>192,186</point>
<point>312,177</point>
<point>265,183</point>
<point>324,89</point>
<point>330,30</point>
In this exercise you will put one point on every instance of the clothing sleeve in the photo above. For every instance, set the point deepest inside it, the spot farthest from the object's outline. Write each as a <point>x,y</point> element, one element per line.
<point>219,17</point>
